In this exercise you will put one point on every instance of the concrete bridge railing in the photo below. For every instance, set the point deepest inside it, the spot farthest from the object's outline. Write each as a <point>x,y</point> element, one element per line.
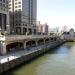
<point>18,39</point>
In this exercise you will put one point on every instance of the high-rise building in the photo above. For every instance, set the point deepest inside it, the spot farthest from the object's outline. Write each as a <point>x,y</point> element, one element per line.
<point>64,29</point>
<point>4,15</point>
<point>45,28</point>
<point>23,15</point>
<point>42,28</point>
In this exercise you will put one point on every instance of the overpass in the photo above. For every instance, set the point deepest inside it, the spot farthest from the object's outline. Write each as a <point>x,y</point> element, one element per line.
<point>10,43</point>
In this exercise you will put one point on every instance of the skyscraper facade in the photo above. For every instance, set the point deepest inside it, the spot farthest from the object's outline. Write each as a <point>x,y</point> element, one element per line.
<point>42,28</point>
<point>4,15</point>
<point>23,16</point>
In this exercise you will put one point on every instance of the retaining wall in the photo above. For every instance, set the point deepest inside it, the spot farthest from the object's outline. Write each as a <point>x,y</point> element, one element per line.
<point>16,62</point>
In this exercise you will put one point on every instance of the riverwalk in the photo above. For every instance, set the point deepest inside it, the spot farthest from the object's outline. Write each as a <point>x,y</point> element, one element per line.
<point>14,59</point>
<point>17,54</point>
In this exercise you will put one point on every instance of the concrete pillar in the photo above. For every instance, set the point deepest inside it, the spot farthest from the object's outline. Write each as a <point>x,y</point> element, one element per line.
<point>21,30</point>
<point>8,28</point>
<point>27,32</point>
<point>32,31</point>
<point>3,48</point>
<point>25,45</point>
<point>2,22</point>
<point>36,43</point>
<point>7,23</point>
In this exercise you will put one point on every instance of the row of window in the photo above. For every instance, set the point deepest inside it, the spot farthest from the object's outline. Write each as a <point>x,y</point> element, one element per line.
<point>23,24</point>
<point>19,24</point>
<point>3,9</point>
<point>18,30</point>
<point>3,5</point>
<point>4,1</point>
<point>17,3</point>
<point>14,0</point>
<point>19,6</point>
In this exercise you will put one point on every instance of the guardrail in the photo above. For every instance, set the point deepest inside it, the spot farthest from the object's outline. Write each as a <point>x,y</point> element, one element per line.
<point>23,37</point>
<point>17,54</point>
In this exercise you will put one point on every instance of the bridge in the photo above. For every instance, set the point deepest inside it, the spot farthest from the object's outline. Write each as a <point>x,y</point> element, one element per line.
<point>10,43</point>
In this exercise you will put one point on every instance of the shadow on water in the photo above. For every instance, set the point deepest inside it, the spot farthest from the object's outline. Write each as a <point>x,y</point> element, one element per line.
<point>8,73</point>
<point>64,49</point>
<point>11,72</point>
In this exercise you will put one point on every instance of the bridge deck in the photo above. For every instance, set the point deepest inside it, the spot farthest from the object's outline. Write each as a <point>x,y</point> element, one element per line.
<point>23,37</point>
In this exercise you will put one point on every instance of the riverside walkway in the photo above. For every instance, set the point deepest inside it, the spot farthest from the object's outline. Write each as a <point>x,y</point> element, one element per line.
<point>17,54</point>
<point>10,42</point>
<point>25,50</point>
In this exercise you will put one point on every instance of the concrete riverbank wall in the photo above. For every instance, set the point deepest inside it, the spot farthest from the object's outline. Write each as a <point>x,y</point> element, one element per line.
<point>16,62</point>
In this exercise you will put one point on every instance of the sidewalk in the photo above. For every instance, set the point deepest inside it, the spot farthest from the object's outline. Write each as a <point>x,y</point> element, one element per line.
<point>17,54</point>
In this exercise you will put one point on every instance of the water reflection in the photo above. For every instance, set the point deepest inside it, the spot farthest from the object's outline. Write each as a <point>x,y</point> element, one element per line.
<point>59,61</point>
<point>64,49</point>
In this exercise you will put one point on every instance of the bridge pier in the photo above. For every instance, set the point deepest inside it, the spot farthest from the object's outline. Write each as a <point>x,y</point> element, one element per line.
<point>24,44</point>
<point>12,43</point>
<point>36,43</point>
<point>44,42</point>
<point>3,48</point>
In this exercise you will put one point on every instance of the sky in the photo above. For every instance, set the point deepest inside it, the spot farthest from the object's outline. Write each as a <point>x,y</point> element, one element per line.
<point>56,13</point>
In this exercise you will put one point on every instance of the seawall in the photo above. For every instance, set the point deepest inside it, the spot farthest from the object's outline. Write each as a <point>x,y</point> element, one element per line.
<point>16,62</point>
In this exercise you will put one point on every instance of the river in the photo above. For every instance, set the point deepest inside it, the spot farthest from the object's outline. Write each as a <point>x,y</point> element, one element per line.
<point>59,61</point>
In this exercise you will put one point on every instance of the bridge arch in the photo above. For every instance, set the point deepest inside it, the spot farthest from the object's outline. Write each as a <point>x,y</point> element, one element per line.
<point>14,46</point>
<point>31,43</point>
<point>41,41</point>
<point>47,40</point>
<point>51,38</point>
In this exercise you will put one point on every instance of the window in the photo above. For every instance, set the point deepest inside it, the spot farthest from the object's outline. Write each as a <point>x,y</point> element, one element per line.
<point>16,3</point>
<point>15,6</point>
<point>0,4</point>
<point>4,1</point>
<point>19,2</point>
<point>9,4</point>
<point>0,0</point>
<point>19,9</point>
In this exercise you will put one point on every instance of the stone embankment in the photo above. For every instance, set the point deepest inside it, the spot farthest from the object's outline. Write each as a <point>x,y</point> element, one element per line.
<point>18,61</point>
